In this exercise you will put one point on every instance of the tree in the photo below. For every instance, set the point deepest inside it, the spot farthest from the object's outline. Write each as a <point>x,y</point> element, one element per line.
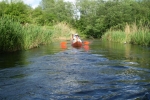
<point>56,10</point>
<point>17,9</point>
<point>97,16</point>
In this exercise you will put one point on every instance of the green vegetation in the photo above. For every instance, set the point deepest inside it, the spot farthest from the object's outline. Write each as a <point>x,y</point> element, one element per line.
<point>131,34</point>
<point>114,36</point>
<point>22,27</point>
<point>10,34</point>
<point>33,36</point>
<point>141,37</point>
<point>62,31</point>
<point>99,16</point>
<point>15,36</point>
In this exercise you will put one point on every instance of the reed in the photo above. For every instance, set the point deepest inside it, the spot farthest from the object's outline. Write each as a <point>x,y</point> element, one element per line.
<point>114,36</point>
<point>138,35</point>
<point>15,36</point>
<point>131,34</point>
<point>34,36</point>
<point>10,34</point>
<point>141,37</point>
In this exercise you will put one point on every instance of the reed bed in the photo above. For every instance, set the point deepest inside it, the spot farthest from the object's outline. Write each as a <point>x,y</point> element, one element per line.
<point>15,36</point>
<point>131,34</point>
<point>34,36</point>
<point>142,37</point>
<point>10,34</point>
<point>114,36</point>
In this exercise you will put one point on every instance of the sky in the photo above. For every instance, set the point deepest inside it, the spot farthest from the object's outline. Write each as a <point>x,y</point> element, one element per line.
<point>35,3</point>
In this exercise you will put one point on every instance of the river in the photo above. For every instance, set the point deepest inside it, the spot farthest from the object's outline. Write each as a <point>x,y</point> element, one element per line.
<point>98,71</point>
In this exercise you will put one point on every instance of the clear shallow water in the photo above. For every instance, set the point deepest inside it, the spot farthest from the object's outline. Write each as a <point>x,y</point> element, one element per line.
<point>100,71</point>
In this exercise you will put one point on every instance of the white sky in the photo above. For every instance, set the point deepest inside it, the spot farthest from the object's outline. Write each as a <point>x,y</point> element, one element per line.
<point>35,3</point>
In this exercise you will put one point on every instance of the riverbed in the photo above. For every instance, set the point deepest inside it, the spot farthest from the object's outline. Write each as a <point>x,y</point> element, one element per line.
<point>97,71</point>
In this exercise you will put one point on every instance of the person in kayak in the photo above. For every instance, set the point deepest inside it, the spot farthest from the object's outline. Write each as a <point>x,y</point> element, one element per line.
<point>76,38</point>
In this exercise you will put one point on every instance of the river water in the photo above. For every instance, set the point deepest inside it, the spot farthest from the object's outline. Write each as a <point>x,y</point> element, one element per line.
<point>98,71</point>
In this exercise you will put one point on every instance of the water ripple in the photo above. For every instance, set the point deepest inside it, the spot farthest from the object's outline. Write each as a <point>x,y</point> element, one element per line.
<point>74,75</point>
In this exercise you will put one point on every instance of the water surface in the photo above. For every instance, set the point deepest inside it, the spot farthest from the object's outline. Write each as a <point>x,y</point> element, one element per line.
<point>98,71</point>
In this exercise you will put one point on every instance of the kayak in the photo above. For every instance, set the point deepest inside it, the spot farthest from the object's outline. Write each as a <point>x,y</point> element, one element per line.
<point>77,44</point>
<point>76,41</point>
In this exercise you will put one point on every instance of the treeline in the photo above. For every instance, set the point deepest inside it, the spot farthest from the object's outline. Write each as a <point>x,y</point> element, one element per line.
<point>47,13</point>
<point>91,17</point>
<point>98,16</point>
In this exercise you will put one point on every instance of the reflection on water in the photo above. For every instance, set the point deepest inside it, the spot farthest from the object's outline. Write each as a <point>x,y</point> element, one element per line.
<point>133,54</point>
<point>86,47</point>
<point>63,45</point>
<point>9,60</point>
<point>97,71</point>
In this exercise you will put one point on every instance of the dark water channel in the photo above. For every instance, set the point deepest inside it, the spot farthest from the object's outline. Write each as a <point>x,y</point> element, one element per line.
<point>100,71</point>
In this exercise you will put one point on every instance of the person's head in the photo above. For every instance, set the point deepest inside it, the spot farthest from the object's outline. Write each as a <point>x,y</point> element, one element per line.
<point>76,35</point>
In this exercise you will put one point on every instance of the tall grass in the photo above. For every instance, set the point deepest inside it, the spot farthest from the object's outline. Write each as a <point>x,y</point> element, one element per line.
<point>114,36</point>
<point>131,34</point>
<point>33,36</point>
<point>62,31</point>
<point>10,34</point>
<point>15,36</point>
<point>141,37</point>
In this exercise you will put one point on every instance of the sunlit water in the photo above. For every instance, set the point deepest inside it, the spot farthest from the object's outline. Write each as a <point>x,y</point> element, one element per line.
<point>98,71</point>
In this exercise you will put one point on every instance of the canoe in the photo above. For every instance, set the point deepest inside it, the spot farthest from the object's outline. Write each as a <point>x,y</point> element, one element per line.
<point>77,44</point>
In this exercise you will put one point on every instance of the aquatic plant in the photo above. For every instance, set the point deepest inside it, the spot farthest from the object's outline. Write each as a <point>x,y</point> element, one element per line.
<point>114,36</point>
<point>10,34</point>
<point>131,34</point>
<point>141,37</point>
<point>15,36</point>
<point>33,36</point>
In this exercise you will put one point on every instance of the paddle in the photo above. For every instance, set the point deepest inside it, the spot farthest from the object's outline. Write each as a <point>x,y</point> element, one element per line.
<point>86,42</point>
<point>63,45</point>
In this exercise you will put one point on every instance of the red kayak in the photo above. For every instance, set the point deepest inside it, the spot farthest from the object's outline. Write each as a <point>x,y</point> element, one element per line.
<point>76,41</point>
<point>77,44</point>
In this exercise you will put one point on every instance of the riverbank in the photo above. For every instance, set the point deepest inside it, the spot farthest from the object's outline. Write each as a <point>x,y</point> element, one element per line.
<point>131,34</point>
<point>15,36</point>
